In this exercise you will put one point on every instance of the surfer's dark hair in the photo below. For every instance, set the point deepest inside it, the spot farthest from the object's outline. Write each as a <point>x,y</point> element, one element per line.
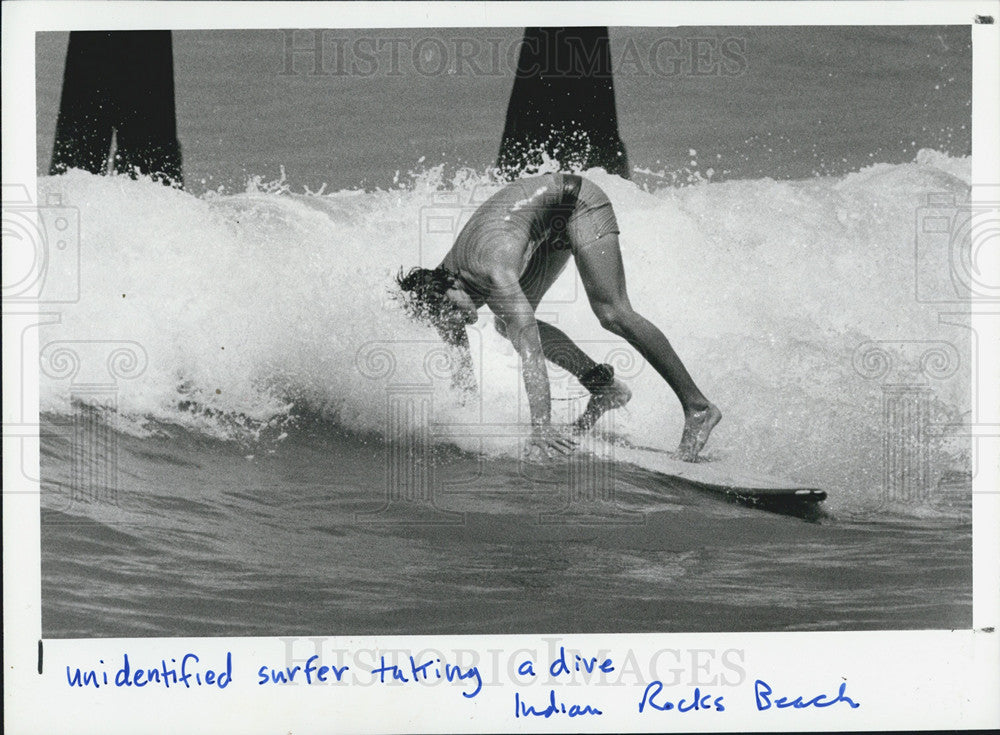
<point>424,292</point>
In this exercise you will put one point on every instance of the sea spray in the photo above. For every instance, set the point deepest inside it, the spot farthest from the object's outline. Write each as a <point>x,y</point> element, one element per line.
<point>265,304</point>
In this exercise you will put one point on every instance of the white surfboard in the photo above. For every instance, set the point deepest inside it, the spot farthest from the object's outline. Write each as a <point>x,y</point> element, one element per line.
<point>752,488</point>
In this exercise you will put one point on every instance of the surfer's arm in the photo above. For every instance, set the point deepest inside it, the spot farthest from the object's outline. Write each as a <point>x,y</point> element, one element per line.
<point>508,302</point>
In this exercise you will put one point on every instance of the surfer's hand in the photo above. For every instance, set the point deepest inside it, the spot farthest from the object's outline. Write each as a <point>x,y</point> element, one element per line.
<point>547,442</point>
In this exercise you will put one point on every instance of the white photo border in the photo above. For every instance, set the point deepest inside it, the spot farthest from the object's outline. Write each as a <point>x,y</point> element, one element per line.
<point>904,679</point>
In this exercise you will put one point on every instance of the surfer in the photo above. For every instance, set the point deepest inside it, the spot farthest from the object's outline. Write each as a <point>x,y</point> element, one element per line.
<point>507,256</point>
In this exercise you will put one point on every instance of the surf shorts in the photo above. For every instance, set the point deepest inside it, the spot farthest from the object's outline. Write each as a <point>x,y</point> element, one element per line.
<point>593,216</point>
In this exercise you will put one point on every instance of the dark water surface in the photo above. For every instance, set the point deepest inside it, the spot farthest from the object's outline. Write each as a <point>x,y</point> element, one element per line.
<point>204,540</point>
<point>802,101</point>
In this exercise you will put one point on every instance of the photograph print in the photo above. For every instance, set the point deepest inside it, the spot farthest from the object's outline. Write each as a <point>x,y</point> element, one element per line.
<point>486,330</point>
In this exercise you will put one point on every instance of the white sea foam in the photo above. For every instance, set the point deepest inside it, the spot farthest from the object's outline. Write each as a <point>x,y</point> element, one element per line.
<point>264,303</point>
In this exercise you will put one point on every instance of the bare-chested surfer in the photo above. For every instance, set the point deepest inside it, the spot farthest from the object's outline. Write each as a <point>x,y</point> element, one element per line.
<point>507,256</point>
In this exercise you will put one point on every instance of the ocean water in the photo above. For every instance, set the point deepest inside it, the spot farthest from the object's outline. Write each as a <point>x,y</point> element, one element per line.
<point>244,435</point>
<point>803,102</point>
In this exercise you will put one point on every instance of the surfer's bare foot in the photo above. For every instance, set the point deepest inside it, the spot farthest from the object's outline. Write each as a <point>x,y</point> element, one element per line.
<point>697,427</point>
<point>614,396</point>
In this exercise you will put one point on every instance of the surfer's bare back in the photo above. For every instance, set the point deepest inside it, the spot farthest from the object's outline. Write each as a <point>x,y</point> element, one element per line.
<point>507,256</point>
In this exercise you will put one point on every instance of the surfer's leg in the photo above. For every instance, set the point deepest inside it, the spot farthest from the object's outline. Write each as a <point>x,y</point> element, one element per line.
<point>545,266</point>
<point>600,265</point>
<point>562,351</point>
<point>559,349</point>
